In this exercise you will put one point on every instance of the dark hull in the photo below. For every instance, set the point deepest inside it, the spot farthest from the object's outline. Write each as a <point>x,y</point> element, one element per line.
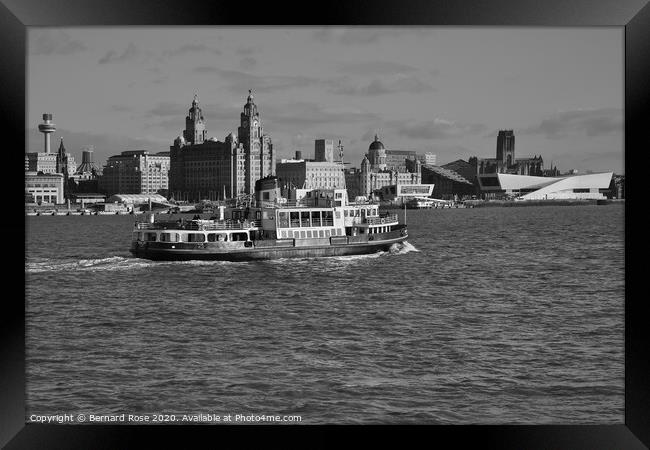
<point>264,252</point>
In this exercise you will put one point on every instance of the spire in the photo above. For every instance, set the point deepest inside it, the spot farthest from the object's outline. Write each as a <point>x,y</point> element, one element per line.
<point>376,138</point>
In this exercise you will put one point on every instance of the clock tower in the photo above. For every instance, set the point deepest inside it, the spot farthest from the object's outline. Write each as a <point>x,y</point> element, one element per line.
<point>259,160</point>
<point>195,132</point>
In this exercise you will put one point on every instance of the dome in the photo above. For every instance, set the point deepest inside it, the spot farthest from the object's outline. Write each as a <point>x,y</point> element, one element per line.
<point>376,144</point>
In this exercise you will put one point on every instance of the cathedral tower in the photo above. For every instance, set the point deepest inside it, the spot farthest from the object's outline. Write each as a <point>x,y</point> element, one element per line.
<point>506,147</point>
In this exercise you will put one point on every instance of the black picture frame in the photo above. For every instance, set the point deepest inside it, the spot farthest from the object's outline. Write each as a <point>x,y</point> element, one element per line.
<point>17,15</point>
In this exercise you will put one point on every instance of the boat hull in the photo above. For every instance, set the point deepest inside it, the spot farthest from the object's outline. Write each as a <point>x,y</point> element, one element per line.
<point>255,252</point>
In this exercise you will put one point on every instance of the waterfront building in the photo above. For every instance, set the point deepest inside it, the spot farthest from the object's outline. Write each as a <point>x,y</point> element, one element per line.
<point>448,184</point>
<point>618,186</point>
<point>396,159</point>
<point>43,188</point>
<point>427,158</point>
<point>87,198</point>
<point>573,187</point>
<point>505,161</point>
<point>135,172</point>
<point>40,162</point>
<point>86,178</point>
<point>324,150</point>
<point>202,167</point>
<point>353,182</point>
<point>462,168</point>
<point>376,172</point>
<point>311,174</point>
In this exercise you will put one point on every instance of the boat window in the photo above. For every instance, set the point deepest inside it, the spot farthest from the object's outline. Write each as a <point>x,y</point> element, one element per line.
<point>284,234</point>
<point>334,233</point>
<point>150,237</point>
<point>303,235</point>
<point>304,219</point>
<point>296,234</point>
<point>308,233</point>
<point>315,218</point>
<point>327,218</point>
<point>295,218</point>
<point>345,213</point>
<point>327,233</point>
<point>338,214</point>
<point>239,237</point>
<point>195,237</point>
<point>217,237</point>
<point>283,220</point>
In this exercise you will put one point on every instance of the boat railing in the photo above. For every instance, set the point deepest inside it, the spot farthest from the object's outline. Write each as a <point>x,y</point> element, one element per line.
<point>388,218</point>
<point>198,226</point>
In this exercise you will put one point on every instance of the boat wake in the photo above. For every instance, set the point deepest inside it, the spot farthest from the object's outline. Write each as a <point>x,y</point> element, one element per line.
<point>94,264</point>
<point>113,263</point>
<point>121,263</point>
<point>401,248</point>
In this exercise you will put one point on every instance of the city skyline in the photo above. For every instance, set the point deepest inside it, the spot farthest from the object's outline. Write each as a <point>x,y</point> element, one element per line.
<point>446,90</point>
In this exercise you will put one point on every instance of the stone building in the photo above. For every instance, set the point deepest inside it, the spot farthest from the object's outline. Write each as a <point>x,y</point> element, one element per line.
<point>320,173</point>
<point>207,168</point>
<point>43,188</point>
<point>505,161</point>
<point>135,172</point>
<point>376,172</point>
<point>40,162</point>
<point>47,162</point>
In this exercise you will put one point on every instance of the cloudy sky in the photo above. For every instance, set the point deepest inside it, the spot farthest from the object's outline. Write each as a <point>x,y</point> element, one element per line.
<point>447,90</point>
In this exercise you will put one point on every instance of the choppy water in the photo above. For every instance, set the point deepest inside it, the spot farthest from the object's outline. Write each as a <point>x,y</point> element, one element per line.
<point>486,315</point>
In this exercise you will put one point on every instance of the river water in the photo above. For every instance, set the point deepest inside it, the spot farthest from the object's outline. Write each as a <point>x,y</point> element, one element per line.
<point>485,316</point>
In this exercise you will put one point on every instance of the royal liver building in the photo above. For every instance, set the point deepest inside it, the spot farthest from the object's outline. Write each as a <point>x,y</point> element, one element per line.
<point>205,168</point>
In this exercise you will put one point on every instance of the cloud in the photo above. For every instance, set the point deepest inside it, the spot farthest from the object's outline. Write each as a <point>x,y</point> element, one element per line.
<point>191,48</point>
<point>436,129</point>
<point>167,109</point>
<point>406,84</point>
<point>591,122</point>
<point>243,81</point>
<point>376,68</point>
<point>246,50</point>
<point>55,43</point>
<point>359,35</point>
<point>121,108</point>
<point>248,63</point>
<point>304,114</point>
<point>129,54</point>
<point>362,35</point>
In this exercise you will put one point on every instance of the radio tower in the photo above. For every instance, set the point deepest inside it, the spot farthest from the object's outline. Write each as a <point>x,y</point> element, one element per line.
<point>47,127</point>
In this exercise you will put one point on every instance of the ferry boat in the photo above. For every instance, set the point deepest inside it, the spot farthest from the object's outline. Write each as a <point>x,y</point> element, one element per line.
<point>304,223</point>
